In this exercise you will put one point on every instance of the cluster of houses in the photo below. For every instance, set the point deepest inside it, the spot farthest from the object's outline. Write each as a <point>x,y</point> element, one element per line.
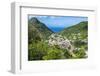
<point>62,42</point>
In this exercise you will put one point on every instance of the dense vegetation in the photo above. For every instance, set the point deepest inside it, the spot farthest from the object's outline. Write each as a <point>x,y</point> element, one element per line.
<point>37,31</point>
<point>44,44</point>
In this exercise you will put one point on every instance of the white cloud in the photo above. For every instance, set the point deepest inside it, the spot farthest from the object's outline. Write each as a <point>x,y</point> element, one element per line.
<point>53,17</point>
<point>37,16</point>
<point>41,16</point>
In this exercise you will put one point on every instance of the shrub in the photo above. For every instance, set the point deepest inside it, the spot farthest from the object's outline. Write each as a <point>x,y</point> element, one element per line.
<point>54,54</point>
<point>81,53</point>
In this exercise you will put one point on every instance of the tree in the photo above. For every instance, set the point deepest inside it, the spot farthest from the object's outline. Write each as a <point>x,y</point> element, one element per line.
<point>54,53</point>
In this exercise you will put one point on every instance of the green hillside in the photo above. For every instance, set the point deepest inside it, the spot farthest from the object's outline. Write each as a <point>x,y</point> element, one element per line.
<point>78,36</point>
<point>78,29</point>
<point>37,30</point>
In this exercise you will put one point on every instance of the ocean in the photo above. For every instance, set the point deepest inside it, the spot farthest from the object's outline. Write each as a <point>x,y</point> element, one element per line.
<point>56,29</point>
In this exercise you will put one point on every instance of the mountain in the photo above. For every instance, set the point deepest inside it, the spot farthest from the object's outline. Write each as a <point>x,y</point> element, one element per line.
<point>44,44</point>
<point>37,30</point>
<point>78,29</point>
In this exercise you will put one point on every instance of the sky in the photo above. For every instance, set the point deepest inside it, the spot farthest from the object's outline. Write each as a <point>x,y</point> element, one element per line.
<point>58,23</point>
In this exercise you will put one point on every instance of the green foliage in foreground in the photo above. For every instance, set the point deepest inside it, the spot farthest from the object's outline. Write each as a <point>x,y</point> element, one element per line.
<point>41,51</point>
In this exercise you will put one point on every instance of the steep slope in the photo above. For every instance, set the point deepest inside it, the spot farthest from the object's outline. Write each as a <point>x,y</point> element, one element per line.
<point>37,30</point>
<point>80,29</point>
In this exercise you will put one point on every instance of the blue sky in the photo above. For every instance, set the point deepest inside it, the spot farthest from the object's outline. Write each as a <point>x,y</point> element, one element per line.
<point>58,23</point>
